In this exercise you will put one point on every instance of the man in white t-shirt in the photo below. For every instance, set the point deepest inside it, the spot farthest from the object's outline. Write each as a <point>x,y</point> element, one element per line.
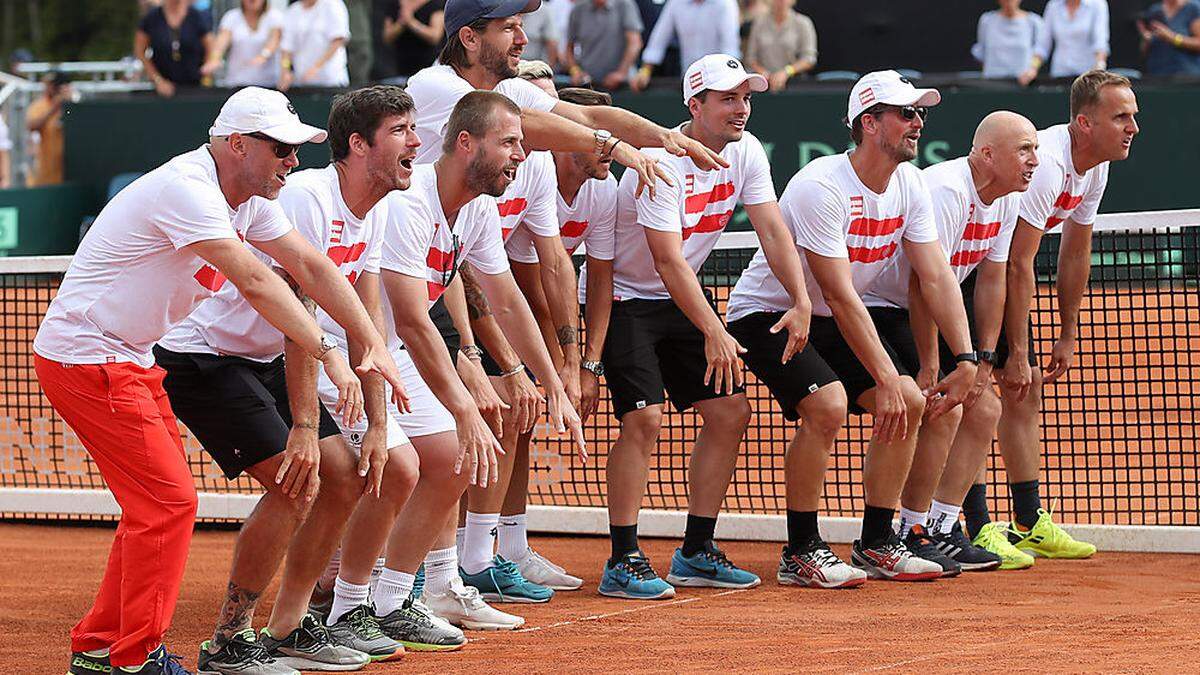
<point>1066,190</point>
<point>227,382</point>
<point>975,201</point>
<point>665,332</point>
<point>249,45</point>
<point>314,44</point>
<point>850,215</point>
<point>167,242</point>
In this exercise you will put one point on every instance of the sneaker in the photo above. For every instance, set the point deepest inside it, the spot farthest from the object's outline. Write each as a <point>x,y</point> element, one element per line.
<point>415,627</point>
<point>993,538</point>
<point>890,560</point>
<point>709,569</point>
<point>502,582</point>
<point>358,630</point>
<point>320,603</point>
<point>816,565</point>
<point>240,655</point>
<point>309,647</point>
<point>957,547</point>
<point>920,544</point>
<point>90,663</point>
<point>462,607</point>
<point>633,578</point>
<point>537,569</point>
<point>1047,540</point>
<point>158,662</point>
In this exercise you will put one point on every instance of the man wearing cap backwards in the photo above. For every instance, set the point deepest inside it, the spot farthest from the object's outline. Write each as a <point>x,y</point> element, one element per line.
<point>664,330</point>
<point>1066,190</point>
<point>160,247</point>
<point>225,377</point>
<point>850,214</point>
<point>975,201</point>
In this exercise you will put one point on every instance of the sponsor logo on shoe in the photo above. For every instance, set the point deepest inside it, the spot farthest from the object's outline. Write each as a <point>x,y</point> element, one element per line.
<point>88,664</point>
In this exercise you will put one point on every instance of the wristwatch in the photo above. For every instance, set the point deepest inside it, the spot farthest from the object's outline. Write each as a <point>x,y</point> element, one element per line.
<point>968,357</point>
<point>986,356</point>
<point>594,367</point>
<point>602,138</point>
<point>326,345</point>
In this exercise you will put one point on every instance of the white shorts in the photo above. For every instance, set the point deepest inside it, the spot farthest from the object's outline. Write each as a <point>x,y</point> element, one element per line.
<point>428,415</point>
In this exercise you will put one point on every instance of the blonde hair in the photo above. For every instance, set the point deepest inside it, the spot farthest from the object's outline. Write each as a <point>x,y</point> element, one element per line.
<point>535,70</point>
<point>1085,90</point>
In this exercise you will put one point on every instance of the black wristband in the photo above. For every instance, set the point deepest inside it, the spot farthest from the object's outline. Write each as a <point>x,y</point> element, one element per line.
<point>986,356</point>
<point>968,357</point>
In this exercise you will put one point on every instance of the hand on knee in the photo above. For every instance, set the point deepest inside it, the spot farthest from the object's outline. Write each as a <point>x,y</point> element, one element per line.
<point>914,401</point>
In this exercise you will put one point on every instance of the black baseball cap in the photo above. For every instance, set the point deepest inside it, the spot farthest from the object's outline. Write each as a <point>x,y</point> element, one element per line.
<point>460,13</point>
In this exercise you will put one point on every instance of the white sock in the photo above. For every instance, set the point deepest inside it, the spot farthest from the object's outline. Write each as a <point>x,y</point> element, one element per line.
<point>346,596</point>
<point>479,543</point>
<point>331,571</point>
<point>392,590</point>
<point>908,518</point>
<point>441,567</point>
<point>513,538</point>
<point>942,517</point>
<point>380,563</point>
<point>459,535</point>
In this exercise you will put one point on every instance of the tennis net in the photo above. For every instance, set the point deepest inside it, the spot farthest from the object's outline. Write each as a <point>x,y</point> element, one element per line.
<point>1119,432</point>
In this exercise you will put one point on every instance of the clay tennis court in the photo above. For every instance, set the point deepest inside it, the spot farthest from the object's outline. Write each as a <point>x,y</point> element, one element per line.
<point>1118,612</point>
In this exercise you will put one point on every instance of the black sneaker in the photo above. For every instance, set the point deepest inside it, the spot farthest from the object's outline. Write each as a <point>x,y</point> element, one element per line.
<point>921,545</point>
<point>970,557</point>
<point>310,647</point>
<point>240,655</point>
<point>158,662</point>
<point>89,663</point>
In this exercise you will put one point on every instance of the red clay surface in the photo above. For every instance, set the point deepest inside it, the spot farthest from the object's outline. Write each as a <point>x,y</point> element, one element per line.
<point>1118,612</point>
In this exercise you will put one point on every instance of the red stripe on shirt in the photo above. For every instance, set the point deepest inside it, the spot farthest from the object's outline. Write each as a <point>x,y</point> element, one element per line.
<point>981,231</point>
<point>573,228</point>
<point>1053,221</point>
<point>439,260</point>
<point>344,254</point>
<point>875,227</point>
<point>1067,201</point>
<point>210,278</point>
<point>697,202</point>
<point>512,207</point>
<point>863,254</point>
<point>964,258</point>
<point>713,222</point>
<point>435,290</point>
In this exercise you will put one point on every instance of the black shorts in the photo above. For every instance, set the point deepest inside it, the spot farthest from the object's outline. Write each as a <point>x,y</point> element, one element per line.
<point>789,382</point>
<point>833,348</point>
<point>651,345</point>
<point>237,408</point>
<point>445,325</point>
<point>947,357</point>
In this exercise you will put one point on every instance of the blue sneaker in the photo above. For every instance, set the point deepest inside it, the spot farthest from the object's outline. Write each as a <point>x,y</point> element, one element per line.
<point>634,579</point>
<point>709,568</point>
<point>159,662</point>
<point>502,582</point>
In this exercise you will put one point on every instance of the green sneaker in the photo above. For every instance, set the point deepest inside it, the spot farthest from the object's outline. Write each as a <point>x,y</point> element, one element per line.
<point>994,537</point>
<point>1047,540</point>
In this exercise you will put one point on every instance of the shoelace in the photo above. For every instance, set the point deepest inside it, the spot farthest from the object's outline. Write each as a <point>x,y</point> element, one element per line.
<point>540,559</point>
<point>467,595</point>
<point>170,664</point>
<point>824,557</point>
<point>315,630</point>
<point>717,557</point>
<point>245,645</point>
<point>638,567</point>
<point>363,624</point>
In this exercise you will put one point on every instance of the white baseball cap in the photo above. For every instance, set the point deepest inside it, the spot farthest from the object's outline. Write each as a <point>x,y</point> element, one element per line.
<point>890,88</point>
<point>267,111</point>
<point>718,72</point>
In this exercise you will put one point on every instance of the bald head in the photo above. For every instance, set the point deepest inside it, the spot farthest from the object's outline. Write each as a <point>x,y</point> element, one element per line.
<point>1002,128</point>
<point>1004,151</point>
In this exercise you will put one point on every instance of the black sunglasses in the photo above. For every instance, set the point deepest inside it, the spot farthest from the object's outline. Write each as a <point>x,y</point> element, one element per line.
<point>282,150</point>
<point>908,112</point>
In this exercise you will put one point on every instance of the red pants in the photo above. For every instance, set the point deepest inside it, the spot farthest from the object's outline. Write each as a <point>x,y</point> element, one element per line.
<point>122,416</point>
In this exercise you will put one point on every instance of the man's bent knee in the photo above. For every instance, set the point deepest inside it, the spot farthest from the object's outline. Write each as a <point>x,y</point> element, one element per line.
<point>914,400</point>
<point>824,412</point>
<point>985,414</point>
<point>642,426</point>
<point>729,413</point>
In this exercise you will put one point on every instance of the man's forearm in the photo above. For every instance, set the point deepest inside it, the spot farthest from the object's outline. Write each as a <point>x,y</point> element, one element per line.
<point>529,279</point>
<point>944,302</point>
<point>854,323</point>
<point>685,290</point>
<point>483,323</point>
<point>1074,267</point>
<point>924,330</point>
<point>519,328</point>
<point>429,355</point>
<point>322,281</point>
<point>625,125</point>
<point>1019,297</point>
<point>559,284</point>
<point>374,388</point>
<point>989,305</point>
<point>300,376</point>
<point>598,309</point>
<point>456,306</point>
<point>780,250</point>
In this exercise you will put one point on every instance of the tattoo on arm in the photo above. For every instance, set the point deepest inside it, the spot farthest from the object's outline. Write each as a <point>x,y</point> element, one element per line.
<point>568,335</point>
<point>477,304</point>
<point>308,303</point>
<point>236,613</point>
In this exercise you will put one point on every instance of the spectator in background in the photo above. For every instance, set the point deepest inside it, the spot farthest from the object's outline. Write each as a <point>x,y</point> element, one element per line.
<point>360,49</point>
<point>748,11</point>
<point>44,117</point>
<point>6,179</point>
<point>415,29</point>
<point>544,39</point>
<point>179,39</point>
<point>607,34</point>
<point>1171,37</point>
<point>314,44</point>
<point>561,11</point>
<point>1078,32</point>
<point>250,34</point>
<point>782,44</point>
<point>702,27</point>
<point>1005,42</point>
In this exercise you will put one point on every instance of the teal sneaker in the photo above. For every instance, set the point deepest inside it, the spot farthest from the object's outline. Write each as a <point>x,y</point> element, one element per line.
<point>419,583</point>
<point>633,578</point>
<point>709,568</point>
<point>502,582</point>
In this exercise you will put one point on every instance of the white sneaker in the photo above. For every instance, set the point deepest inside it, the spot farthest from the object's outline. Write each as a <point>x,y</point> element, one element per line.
<point>462,606</point>
<point>537,569</point>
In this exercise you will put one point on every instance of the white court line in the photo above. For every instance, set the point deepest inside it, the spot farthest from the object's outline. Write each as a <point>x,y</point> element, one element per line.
<point>600,617</point>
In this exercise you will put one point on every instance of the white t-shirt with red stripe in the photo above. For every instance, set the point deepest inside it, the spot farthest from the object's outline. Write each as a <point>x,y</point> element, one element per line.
<point>698,207</point>
<point>832,214</point>
<point>132,279</point>
<point>312,201</point>
<point>528,203</point>
<point>1057,191</point>
<point>590,218</point>
<point>969,231</point>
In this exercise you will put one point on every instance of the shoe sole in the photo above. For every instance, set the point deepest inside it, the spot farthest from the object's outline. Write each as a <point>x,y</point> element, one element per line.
<point>564,587</point>
<point>482,625</point>
<point>382,658</point>
<point>624,595</point>
<point>981,567</point>
<point>876,573</point>
<point>300,663</point>
<point>951,573</point>
<point>704,582</point>
<point>426,647</point>
<point>1054,556</point>
<point>513,599</point>
<point>785,580</point>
